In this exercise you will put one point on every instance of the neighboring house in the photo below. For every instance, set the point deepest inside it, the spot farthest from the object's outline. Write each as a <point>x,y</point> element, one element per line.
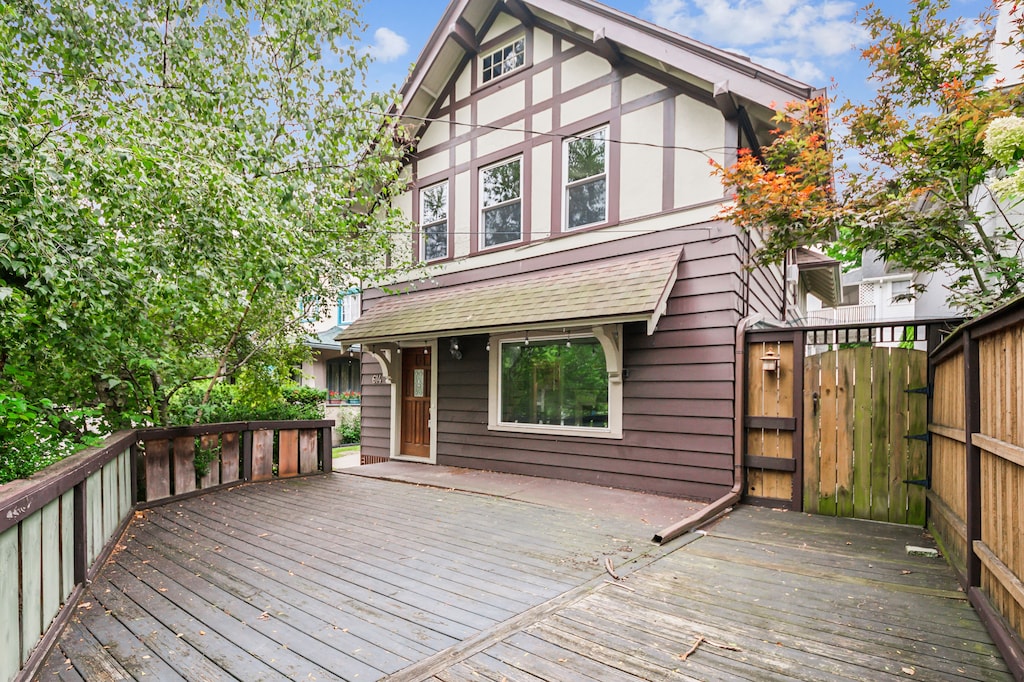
<point>330,368</point>
<point>578,306</point>
<point>812,283</point>
<point>876,291</point>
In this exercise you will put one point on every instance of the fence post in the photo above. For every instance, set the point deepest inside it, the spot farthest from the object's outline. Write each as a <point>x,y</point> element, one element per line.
<point>972,425</point>
<point>326,461</point>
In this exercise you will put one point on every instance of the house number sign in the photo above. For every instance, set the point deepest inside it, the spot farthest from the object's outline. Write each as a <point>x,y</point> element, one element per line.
<point>377,379</point>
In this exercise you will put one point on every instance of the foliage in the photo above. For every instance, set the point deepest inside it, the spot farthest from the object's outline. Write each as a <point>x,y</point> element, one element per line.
<point>174,178</point>
<point>349,426</point>
<point>204,457</point>
<point>35,435</point>
<point>916,183</point>
<point>239,402</point>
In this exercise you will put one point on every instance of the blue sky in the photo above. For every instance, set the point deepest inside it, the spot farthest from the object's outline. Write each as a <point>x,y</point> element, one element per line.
<point>815,41</point>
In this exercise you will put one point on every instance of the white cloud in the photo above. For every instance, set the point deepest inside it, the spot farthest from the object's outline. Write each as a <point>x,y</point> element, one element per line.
<point>797,37</point>
<point>387,45</point>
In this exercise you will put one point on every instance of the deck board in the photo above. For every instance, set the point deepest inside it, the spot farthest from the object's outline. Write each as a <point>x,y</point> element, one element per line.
<point>790,596</point>
<point>347,577</point>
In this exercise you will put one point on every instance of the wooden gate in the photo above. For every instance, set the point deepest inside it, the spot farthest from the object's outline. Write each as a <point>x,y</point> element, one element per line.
<point>865,449</point>
<point>836,421</point>
<point>773,458</point>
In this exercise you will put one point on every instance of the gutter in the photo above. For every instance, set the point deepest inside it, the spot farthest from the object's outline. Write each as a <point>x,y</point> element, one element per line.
<point>722,504</point>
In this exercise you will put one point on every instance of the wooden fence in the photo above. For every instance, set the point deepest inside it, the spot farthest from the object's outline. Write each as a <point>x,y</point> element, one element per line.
<point>977,468</point>
<point>59,526</point>
<point>862,458</point>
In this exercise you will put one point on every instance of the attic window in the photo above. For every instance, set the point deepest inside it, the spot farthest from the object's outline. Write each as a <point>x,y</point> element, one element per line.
<point>503,60</point>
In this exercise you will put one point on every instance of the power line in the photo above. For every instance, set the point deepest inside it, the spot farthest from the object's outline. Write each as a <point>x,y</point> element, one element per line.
<point>484,126</point>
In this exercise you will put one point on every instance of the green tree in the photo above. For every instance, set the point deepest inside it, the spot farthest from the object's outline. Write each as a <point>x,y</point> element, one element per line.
<point>174,178</point>
<point>915,185</point>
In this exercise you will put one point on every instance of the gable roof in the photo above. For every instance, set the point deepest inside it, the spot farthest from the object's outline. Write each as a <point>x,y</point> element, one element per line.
<point>733,80</point>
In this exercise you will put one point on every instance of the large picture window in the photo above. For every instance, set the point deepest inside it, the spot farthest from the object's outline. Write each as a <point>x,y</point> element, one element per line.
<point>434,221</point>
<point>586,175</point>
<point>501,214</point>
<point>560,382</point>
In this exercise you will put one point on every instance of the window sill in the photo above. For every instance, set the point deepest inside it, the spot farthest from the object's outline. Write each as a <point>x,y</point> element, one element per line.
<point>563,431</point>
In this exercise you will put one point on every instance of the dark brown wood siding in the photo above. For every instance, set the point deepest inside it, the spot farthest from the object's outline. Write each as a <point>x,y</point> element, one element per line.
<point>678,405</point>
<point>375,411</point>
<point>766,286</point>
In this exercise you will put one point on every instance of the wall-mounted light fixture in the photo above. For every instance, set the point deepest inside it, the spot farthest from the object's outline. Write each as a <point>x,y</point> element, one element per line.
<point>453,347</point>
<point>770,361</point>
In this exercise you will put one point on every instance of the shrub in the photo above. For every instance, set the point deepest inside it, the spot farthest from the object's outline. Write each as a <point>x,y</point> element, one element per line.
<point>233,403</point>
<point>349,427</point>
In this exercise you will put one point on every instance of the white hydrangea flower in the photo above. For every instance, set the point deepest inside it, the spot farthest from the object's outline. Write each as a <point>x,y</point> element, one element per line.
<point>1004,138</point>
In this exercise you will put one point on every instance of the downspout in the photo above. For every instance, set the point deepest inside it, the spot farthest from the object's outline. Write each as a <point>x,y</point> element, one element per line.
<point>723,503</point>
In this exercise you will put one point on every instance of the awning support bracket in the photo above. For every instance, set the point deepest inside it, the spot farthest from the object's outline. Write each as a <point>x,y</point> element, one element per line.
<point>387,356</point>
<point>608,336</point>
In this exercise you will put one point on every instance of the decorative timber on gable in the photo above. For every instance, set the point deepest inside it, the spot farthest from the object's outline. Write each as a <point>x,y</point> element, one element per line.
<point>540,118</point>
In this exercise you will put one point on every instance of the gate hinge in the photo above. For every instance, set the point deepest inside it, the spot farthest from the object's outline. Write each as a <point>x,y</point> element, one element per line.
<point>926,437</point>
<point>923,482</point>
<point>924,390</point>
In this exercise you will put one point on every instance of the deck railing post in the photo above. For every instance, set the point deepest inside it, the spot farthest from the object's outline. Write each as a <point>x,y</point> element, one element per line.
<point>326,461</point>
<point>972,425</point>
<point>247,454</point>
<point>133,463</point>
<point>81,528</point>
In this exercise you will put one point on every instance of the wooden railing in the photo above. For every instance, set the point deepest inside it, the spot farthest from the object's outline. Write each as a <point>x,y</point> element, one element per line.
<point>59,526</point>
<point>236,451</point>
<point>977,469</point>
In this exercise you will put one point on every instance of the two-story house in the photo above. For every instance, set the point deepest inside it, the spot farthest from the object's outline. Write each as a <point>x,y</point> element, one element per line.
<point>578,306</point>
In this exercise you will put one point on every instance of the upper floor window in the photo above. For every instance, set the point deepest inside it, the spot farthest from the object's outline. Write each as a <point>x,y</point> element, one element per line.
<point>902,291</point>
<point>503,60</point>
<point>310,308</point>
<point>348,307</point>
<point>586,179</point>
<point>501,215</point>
<point>434,221</point>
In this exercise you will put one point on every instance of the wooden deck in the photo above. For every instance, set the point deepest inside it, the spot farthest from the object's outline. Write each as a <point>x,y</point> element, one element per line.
<point>352,578</point>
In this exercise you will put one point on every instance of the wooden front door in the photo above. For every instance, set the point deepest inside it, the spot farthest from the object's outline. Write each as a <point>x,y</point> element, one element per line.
<point>415,439</point>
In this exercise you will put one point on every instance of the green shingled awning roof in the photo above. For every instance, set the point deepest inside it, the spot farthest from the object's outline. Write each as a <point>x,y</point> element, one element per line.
<point>621,289</point>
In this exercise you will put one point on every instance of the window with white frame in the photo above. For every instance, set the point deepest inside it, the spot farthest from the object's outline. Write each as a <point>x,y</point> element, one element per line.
<point>505,59</point>
<point>434,222</point>
<point>901,291</point>
<point>348,307</point>
<point>586,179</point>
<point>554,385</point>
<point>501,206</point>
